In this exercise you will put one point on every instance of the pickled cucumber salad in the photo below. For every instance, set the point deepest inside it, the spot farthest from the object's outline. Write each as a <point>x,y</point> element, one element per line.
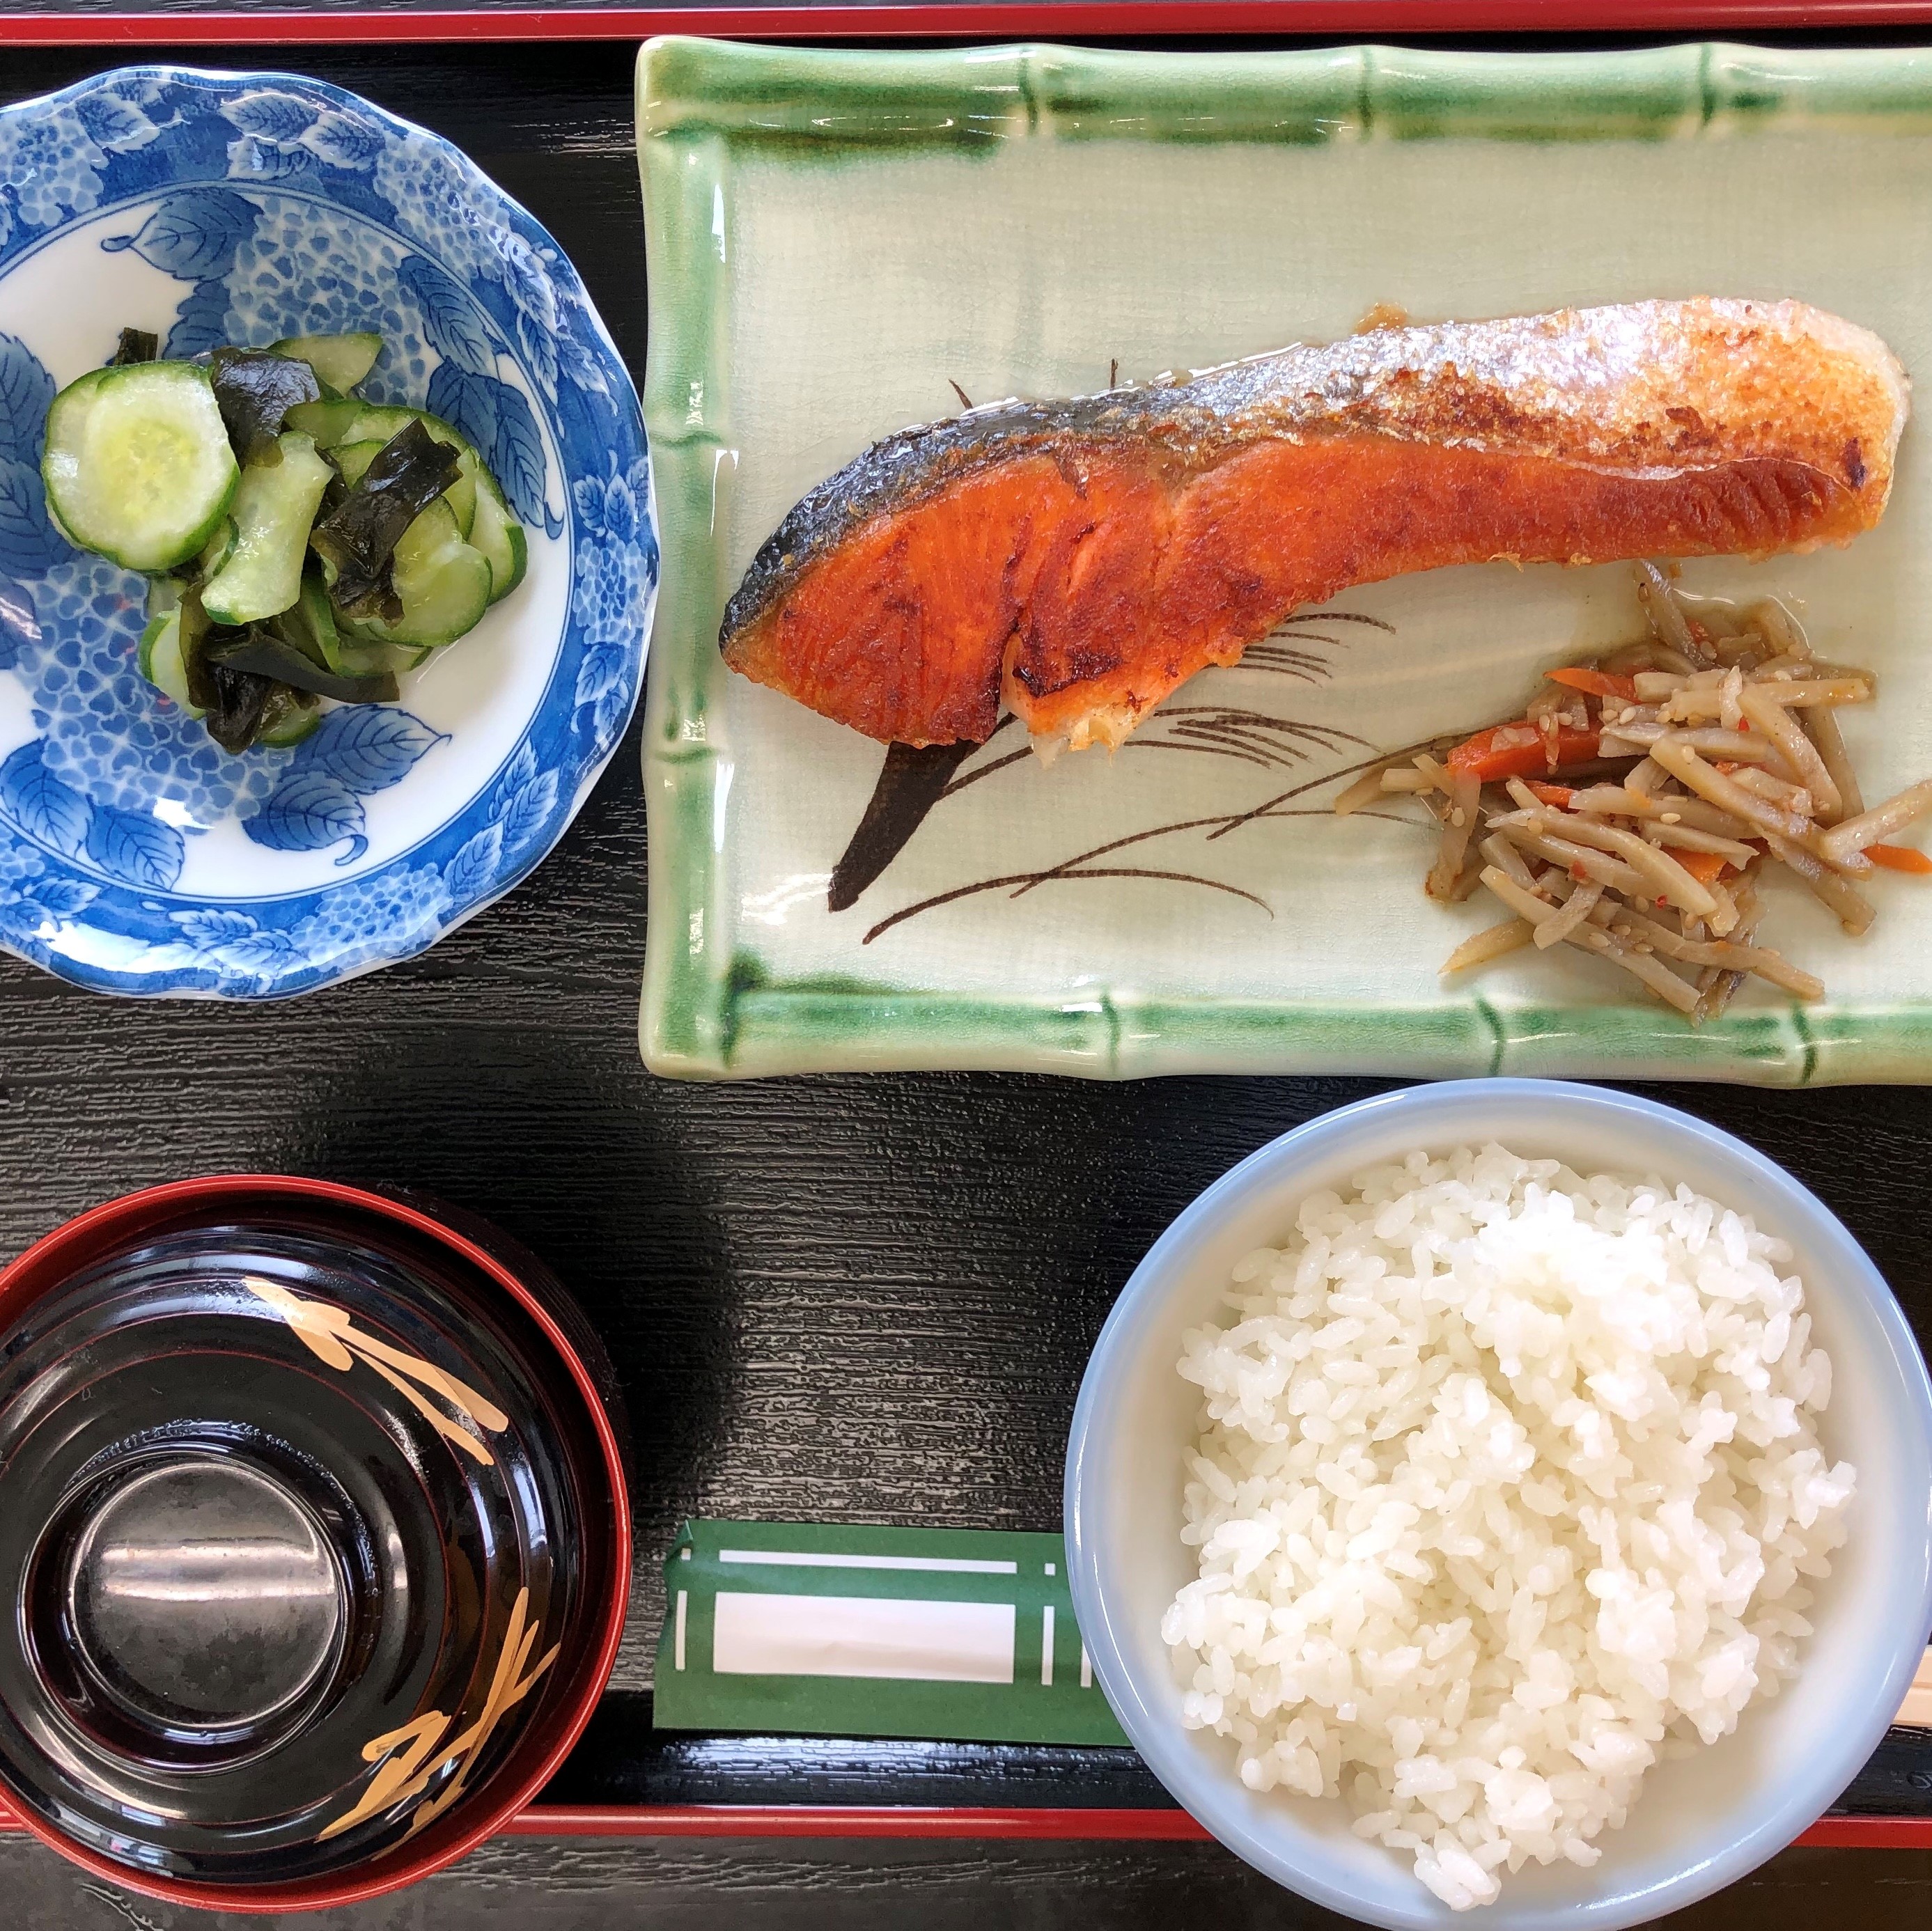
<point>301,544</point>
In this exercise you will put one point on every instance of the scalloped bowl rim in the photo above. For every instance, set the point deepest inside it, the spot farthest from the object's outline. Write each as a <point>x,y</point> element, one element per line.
<point>583,774</point>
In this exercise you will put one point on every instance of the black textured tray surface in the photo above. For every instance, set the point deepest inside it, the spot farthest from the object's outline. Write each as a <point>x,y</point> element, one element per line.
<point>864,1300</point>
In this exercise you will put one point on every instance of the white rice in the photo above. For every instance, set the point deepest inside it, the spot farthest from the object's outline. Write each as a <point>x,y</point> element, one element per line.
<point>1507,1483</point>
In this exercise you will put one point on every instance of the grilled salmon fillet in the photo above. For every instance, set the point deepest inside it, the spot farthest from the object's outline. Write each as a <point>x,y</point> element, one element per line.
<point>1072,561</point>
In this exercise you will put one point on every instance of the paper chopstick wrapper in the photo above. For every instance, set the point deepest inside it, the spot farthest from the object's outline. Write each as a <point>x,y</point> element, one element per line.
<point>804,1630</point>
<point>797,1630</point>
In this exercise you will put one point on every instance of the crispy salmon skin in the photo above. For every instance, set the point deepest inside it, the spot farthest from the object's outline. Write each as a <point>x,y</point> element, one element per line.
<point>1072,561</point>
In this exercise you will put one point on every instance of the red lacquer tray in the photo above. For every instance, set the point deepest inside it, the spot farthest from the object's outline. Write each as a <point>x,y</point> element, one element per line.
<point>193,23</point>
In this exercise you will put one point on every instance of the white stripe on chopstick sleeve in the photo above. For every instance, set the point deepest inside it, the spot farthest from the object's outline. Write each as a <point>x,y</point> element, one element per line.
<point>892,1637</point>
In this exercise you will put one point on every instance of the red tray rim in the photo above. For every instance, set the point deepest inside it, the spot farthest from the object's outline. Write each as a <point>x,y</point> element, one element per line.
<point>1035,1825</point>
<point>952,19</point>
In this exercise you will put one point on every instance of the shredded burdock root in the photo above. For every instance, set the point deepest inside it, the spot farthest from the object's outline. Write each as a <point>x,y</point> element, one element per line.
<point>1635,808</point>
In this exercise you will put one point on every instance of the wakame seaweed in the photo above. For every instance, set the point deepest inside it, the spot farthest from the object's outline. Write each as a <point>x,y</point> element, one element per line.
<point>238,700</point>
<point>370,597</point>
<point>309,623</point>
<point>256,389</point>
<point>359,536</point>
<point>195,666</point>
<point>136,345</point>
<point>256,650</point>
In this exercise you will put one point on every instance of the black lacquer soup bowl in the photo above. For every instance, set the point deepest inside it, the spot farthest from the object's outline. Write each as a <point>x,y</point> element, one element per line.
<point>312,1522</point>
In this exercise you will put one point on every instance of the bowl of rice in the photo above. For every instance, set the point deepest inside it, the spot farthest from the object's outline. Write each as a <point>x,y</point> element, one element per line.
<point>1462,1522</point>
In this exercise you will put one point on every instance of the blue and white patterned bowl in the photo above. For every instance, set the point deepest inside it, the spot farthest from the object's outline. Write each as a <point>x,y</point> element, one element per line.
<point>136,856</point>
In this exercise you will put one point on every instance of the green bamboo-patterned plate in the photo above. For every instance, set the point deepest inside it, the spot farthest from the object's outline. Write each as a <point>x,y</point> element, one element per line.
<point>837,237</point>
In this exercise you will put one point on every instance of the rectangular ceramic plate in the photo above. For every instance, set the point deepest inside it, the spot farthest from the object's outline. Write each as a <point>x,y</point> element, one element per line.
<point>836,237</point>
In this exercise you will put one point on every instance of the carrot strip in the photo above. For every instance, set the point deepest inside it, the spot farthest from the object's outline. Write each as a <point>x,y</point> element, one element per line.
<point>1899,858</point>
<point>1561,796</point>
<point>1595,683</point>
<point>1518,751</point>
<point>1706,868</point>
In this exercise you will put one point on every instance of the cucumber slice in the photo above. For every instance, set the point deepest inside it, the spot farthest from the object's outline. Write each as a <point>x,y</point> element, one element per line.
<point>371,657</point>
<point>461,494</point>
<point>333,424</point>
<point>217,550</point>
<point>353,458</point>
<point>381,421</point>
<point>500,537</point>
<point>318,615</point>
<point>289,731</point>
<point>161,661</point>
<point>61,530</point>
<point>340,360</point>
<point>144,651</point>
<point>286,720</point>
<point>164,595</point>
<point>137,464</point>
<point>274,509</point>
<point>443,583</point>
<point>328,422</point>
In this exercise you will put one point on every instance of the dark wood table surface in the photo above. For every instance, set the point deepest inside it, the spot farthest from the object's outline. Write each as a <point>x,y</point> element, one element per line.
<point>840,1299</point>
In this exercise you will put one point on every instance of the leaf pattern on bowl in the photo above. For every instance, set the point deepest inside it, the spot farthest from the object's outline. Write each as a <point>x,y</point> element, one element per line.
<point>330,1334</point>
<point>281,205</point>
